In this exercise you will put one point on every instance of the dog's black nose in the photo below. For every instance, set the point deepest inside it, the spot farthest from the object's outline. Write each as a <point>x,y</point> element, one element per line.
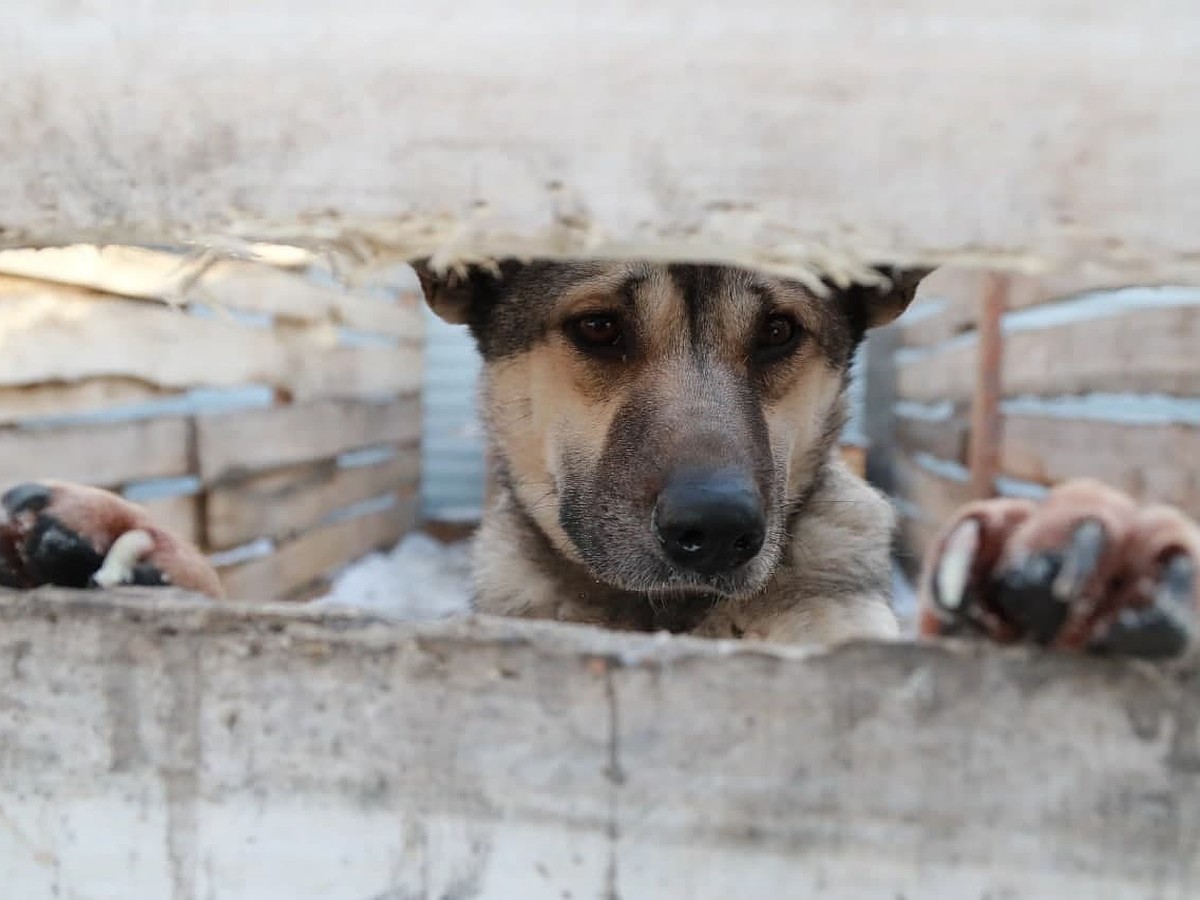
<point>710,522</point>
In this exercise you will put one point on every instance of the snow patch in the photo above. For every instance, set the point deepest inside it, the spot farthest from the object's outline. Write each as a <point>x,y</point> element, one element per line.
<point>419,580</point>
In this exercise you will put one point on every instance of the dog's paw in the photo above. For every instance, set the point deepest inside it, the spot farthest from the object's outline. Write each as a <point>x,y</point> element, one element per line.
<point>75,536</point>
<point>1085,569</point>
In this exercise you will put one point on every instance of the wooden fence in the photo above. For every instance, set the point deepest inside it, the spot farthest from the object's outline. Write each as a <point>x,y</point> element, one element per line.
<point>1086,378</point>
<point>271,418</point>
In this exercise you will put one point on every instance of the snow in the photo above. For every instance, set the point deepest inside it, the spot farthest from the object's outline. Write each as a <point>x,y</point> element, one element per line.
<point>420,579</point>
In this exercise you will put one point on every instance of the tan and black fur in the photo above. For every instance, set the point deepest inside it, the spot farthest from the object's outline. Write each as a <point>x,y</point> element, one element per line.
<point>584,443</point>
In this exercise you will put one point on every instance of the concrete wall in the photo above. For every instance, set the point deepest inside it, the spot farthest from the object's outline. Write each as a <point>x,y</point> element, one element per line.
<point>169,749</point>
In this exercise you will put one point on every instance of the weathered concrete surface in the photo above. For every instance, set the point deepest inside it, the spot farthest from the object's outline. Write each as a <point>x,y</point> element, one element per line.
<point>1024,132</point>
<point>155,748</point>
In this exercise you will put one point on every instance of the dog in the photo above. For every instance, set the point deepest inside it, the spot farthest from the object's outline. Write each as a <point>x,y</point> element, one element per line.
<point>663,442</point>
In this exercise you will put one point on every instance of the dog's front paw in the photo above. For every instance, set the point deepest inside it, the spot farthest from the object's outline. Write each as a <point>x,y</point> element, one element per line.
<point>76,536</point>
<point>1087,568</point>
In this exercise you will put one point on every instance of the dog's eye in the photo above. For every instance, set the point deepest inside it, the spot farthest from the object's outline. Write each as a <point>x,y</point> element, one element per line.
<point>776,337</point>
<point>597,332</point>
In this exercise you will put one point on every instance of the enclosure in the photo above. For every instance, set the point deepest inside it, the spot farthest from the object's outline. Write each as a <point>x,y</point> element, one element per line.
<point>206,306</point>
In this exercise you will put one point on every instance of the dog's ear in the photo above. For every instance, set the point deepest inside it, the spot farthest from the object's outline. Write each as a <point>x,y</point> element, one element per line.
<point>456,294</point>
<point>882,303</point>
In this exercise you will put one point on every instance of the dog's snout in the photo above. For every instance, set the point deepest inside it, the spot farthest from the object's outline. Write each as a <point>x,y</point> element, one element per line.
<point>710,522</point>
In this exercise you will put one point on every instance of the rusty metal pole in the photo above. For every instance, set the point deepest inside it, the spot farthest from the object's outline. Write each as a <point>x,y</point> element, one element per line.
<point>985,400</point>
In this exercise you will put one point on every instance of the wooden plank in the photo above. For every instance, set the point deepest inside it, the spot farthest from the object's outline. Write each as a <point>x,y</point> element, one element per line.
<point>946,305</point>
<point>319,552</point>
<point>180,514</point>
<point>234,284</point>
<point>1153,462</point>
<point>915,535</point>
<point>505,755</point>
<point>517,134</point>
<point>937,497</point>
<point>235,444</point>
<point>957,296</point>
<point>941,438</point>
<point>282,504</point>
<point>51,333</point>
<point>1145,350</point>
<point>984,439</point>
<point>103,455</point>
<point>58,399</point>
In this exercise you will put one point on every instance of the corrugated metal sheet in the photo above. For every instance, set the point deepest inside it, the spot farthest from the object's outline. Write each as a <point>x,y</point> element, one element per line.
<point>452,446</point>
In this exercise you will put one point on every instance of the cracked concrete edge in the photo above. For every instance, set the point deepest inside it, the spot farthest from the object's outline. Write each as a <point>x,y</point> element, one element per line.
<point>495,758</point>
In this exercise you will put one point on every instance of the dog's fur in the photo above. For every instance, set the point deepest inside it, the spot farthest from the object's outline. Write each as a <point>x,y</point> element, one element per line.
<point>582,442</point>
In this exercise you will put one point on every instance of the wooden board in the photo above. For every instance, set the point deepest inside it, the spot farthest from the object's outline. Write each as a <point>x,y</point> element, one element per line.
<point>936,496</point>
<point>52,333</point>
<point>232,284</point>
<point>957,296</point>
<point>942,438</point>
<point>251,752</point>
<point>1147,350</point>
<point>1021,133</point>
<point>302,560</point>
<point>282,504</point>
<point>945,307</point>
<point>59,399</point>
<point>103,455</point>
<point>916,535</point>
<point>1155,462</point>
<point>236,444</point>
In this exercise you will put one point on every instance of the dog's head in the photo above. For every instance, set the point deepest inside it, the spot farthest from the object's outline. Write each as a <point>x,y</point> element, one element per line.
<point>662,423</point>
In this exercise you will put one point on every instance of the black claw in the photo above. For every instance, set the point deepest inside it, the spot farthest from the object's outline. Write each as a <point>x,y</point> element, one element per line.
<point>1164,630</point>
<point>1024,594</point>
<point>1177,583</point>
<point>149,576</point>
<point>27,497</point>
<point>57,555</point>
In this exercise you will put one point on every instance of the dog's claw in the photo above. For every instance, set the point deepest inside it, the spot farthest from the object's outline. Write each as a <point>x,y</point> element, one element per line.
<point>27,497</point>
<point>953,575</point>
<point>1176,585</point>
<point>1080,561</point>
<point>1164,630</point>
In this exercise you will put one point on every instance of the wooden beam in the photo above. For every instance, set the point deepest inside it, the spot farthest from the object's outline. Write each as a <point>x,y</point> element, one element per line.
<point>302,560</point>
<point>52,333</point>
<point>946,439</point>
<point>283,503</point>
<point>228,284</point>
<point>768,133</point>
<point>234,445</point>
<point>1152,462</point>
<point>984,439</point>
<point>103,455</point>
<point>57,399</point>
<point>1139,349</point>
<point>937,496</point>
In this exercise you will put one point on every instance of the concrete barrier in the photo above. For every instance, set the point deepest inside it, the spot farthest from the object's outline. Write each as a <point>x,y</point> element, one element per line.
<point>155,746</point>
